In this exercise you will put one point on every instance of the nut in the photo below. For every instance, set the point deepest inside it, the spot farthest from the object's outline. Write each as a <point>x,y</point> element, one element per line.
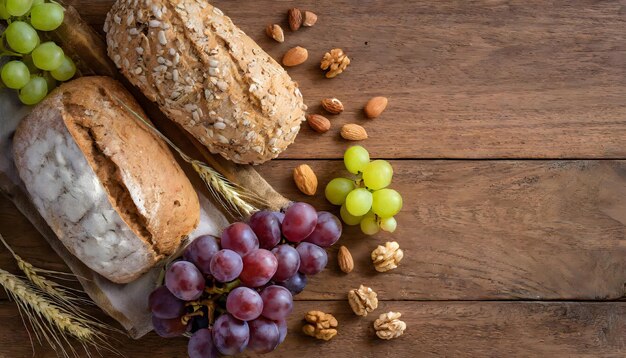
<point>320,124</point>
<point>362,300</point>
<point>387,257</point>
<point>295,19</point>
<point>353,132</point>
<point>295,56</point>
<point>332,105</point>
<point>375,107</point>
<point>389,326</point>
<point>276,32</point>
<point>305,179</point>
<point>335,61</point>
<point>344,257</point>
<point>320,325</point>
<point>309,19</point>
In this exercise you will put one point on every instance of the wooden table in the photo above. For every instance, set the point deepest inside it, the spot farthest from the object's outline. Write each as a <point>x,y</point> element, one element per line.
<point>506,127</point>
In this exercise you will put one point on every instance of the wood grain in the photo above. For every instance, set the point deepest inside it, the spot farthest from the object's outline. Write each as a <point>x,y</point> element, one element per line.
<point>435,329</point>
<point>470,230</point>
<point>465,79</point>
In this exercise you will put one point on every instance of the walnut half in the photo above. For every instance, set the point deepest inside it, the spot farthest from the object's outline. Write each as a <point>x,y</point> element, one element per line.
<point>362,300</point>
<point>320,325</point>
<point>389,326</point>
<point>387,257</point>
<point>335,61</point>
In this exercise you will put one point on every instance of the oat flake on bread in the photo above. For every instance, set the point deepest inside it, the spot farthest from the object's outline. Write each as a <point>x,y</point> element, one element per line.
<point>207,75</point>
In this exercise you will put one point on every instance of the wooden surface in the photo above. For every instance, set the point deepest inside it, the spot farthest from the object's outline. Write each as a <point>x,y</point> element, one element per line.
<point>486,241</point>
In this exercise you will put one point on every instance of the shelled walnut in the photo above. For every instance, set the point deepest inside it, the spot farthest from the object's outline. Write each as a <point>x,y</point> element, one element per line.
<point>362,300</point>
<point>335,61</point>
<point>389,326</point>
<point>387,257</point>
<point>320,325</point>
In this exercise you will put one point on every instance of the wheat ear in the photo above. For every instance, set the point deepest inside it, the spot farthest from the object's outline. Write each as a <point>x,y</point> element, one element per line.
<point>230,195</point>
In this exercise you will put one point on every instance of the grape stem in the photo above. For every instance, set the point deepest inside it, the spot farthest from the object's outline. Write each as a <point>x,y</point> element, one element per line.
<point>185,319</point>
<point>222,290</point>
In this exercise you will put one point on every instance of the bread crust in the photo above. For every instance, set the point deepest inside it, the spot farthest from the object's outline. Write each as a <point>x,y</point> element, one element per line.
<point>206,75</point>
<point>116,198</point>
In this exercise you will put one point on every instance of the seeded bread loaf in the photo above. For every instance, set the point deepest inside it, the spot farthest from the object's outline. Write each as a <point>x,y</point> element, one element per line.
<point>106,185</point>
<point>207,75</point>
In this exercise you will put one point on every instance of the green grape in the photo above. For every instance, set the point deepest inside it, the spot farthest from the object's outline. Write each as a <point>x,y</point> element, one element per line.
<point>359,201</point>
<point>15,74</point>
<point>37,2</point>
<point>386,203</point>
<point>388,224</point>
<point>66,71</point>
<point>4,14</point>
<point>337,190</point>
<point>48,56</point>
<point>377,174</point>
<point>50,81</point>
<point>369,226</point>
<point>34,91</point>
<point>21,37</point>
<point>18,7</point>
<point>348,218</point>
<point>46,16</point>
<point>356,158</point>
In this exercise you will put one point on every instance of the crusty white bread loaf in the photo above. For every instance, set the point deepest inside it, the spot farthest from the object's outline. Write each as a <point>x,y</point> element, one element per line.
<point>106,185</point>
<point>207,75</point>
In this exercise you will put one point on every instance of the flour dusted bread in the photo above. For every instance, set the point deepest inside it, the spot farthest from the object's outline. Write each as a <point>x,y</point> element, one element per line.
<point>206,75</point>
<point>106,185</point>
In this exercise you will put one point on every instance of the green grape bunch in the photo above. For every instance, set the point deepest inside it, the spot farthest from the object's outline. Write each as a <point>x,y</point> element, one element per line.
<point>34,66</point>
<point>366,200</point>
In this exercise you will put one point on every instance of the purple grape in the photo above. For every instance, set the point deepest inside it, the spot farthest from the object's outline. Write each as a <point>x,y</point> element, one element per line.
<point>184,281</point>
<point>300,221</point>
<point>295,284</point>
<point>313,258</point>
<point>327,231</point>
<point>280,216</point>
<point>267,228</point>
<point>258,268</point>
<point>226,265</point>
<point>201,345</point>
<point>163,304</point>
<point>200,252</point>
<point>277,302</point>
<point>169,328</point>
<point>282,329</point>
<point>288,262</point>
<point>244,304</point>
<point>230,335</point>
<point>264,335</point>
<point>240,238</point>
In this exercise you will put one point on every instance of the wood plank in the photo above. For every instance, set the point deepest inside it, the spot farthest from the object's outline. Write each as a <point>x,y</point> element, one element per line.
<point>435,329</point>
<point>471,230</point>
<point>466,79</point>
<point>488,230</point>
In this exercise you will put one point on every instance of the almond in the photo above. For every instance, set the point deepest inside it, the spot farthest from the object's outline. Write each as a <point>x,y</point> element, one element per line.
<point>320,124</point>
<point>295,56</point>
<point>375,107</point>
<point>309,19</point>
<point>332,105</point>
<point>276,32</point>
<point>344,258</point>
<point>353,132</point>
<point>305,179</point>
<point>295,19</point>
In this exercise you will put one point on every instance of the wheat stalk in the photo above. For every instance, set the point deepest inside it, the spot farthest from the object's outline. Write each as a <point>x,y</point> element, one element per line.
<point>40,310</point>
<point>230,195</point>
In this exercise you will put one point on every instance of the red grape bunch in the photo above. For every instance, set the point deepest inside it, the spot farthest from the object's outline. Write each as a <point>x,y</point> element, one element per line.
<point>235,293</point>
